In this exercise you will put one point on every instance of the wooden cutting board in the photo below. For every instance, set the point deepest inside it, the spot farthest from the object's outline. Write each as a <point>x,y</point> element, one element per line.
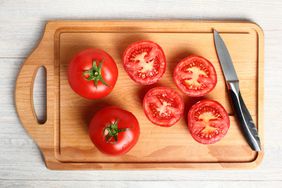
<point>63,138</point>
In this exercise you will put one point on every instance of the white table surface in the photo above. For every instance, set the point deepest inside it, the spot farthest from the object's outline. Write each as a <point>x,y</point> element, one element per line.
<point>21,26</point>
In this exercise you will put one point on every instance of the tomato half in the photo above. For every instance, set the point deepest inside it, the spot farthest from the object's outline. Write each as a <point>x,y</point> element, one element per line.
<point>92,73</point>
<point>208,121</point>
<point>195,76</point>
<point>114,131</point>
<point>144,61</point>
<point>163,106</point>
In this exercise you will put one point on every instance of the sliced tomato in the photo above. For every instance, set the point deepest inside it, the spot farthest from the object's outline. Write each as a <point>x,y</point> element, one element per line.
<point>144,61</point>
<point>208,121</point>
<point>195,76</point>
<point>163,106</point>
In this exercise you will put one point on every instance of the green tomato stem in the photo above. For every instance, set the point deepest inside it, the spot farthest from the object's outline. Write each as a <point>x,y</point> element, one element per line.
<point>95,74</point>
<point>112,131</point>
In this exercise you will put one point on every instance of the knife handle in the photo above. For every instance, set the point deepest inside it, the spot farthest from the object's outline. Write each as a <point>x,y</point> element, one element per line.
<point>248,127</point>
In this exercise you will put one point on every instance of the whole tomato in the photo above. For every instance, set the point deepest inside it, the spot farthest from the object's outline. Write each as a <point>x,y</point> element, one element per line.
<point>114,131</point>
<point>92,73</point>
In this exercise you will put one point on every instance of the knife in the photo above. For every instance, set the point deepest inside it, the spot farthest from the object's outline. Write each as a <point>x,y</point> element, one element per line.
<point>248,127</point>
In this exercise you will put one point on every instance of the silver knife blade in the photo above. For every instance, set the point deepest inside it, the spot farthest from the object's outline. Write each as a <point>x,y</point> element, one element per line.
<point>248,127</point>
<point>225,59</point>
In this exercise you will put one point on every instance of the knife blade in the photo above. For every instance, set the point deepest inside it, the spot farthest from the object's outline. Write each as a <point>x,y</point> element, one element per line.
<point>245,119</point>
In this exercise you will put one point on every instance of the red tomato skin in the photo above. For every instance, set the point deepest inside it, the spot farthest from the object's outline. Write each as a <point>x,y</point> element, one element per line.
<point>82,62</point>
<point>225,115</point>
<point>126,140</point>
<point>179,102</point>
<point>163,64</point>
<point>194,93</point>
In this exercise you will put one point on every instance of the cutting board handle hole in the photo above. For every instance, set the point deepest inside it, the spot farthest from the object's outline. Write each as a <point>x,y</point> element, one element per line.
<point>39,95</point>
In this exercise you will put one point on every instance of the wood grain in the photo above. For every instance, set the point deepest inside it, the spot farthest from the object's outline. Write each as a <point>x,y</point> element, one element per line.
<point>21,160</point>
<point>21,164</point>
<point>67,113</point>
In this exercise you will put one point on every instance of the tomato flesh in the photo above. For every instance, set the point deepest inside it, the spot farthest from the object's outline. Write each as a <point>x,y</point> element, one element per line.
<point>208,121</point>
<point>144,61</point>
<point>114,131</point>
<point>163,106</point>
<point>195,76</point>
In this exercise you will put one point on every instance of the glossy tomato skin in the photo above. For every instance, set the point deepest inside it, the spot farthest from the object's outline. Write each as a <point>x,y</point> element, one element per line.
<point>125,139</point>
<point>163,106</point>
<point>144,61</point>
<point>208,121</point>
<point>82,62</point>
<point>195,76</point>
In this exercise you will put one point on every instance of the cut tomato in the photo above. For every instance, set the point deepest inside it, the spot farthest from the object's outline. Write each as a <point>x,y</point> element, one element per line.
<point>208,121</point>
<point>195,76</point>
<point>163,106</point>
<point>144,61</point>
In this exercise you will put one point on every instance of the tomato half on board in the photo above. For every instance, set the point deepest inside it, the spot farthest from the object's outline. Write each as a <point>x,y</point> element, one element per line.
<point>114,131</point>
<point>145,62</point>
<point>92,73</point>
<point>195,76</point>
<point>208,121</point>
<point>163,106</point>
